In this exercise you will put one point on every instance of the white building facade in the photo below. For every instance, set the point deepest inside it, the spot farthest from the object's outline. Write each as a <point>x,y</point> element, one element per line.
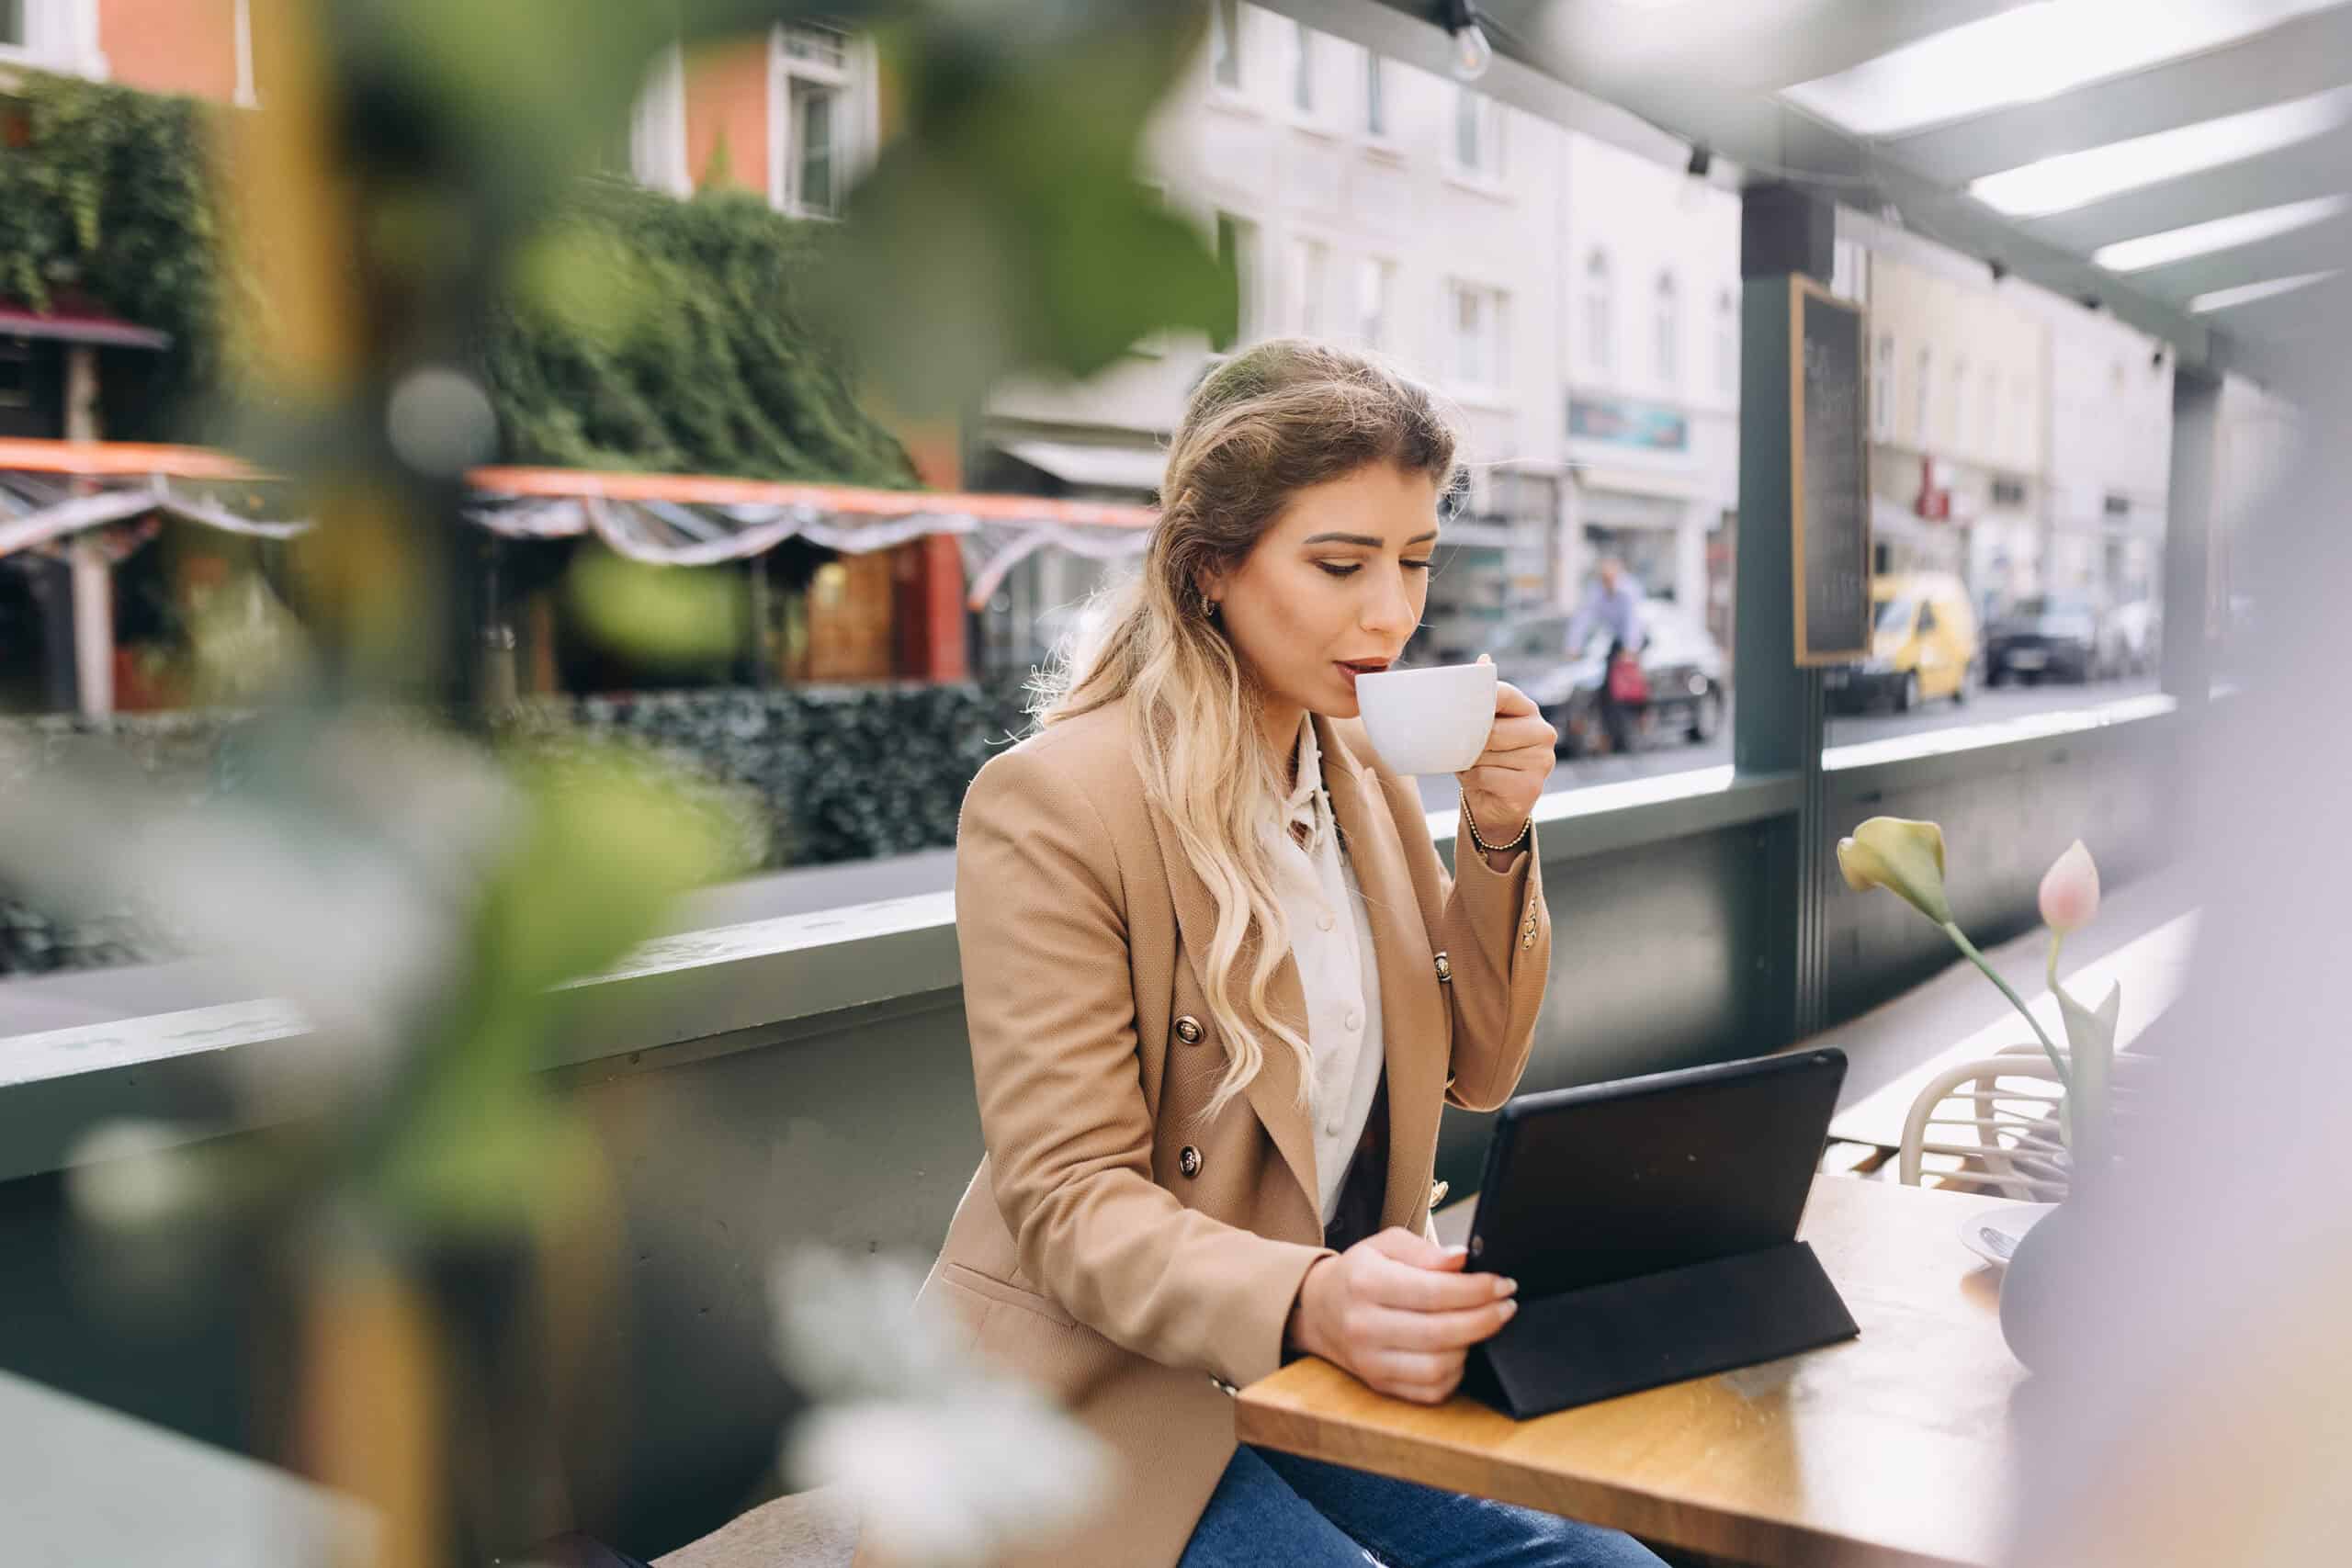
<point>1648,273</point>
<point>1369,204</point>
<point>1959,421</point>
<point>2111,457</point>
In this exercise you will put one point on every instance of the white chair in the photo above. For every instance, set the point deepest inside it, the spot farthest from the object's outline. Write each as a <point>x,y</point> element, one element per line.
<point>1995,1120</point>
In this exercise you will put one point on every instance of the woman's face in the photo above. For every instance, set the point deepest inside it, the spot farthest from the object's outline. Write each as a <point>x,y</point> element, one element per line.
<point>1334,588</point>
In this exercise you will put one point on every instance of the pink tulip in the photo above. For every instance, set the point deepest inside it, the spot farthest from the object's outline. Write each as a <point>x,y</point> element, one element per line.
<point>2070,891</point>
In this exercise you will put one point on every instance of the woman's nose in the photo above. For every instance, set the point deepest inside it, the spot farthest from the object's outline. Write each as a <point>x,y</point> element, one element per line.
<point>1389,609</point>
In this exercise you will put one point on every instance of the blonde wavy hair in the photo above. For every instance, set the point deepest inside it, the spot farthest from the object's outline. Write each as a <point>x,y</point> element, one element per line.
<point>1267,423</point>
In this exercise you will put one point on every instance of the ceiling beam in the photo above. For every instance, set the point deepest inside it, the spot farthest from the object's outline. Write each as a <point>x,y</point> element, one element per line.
<point>2317,167</point>
<point>2306,55</point>
<point>2317,249</point>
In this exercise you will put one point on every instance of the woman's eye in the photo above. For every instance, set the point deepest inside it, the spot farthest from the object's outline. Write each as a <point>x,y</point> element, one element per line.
<point>1416,566</point>
<point>1337,570</point>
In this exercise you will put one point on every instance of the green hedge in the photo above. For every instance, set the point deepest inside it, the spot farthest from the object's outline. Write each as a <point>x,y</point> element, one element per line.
<point>817,776</point>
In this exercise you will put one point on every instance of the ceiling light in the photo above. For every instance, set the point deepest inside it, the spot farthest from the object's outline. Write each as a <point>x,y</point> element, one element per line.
<point>2029,53</point>
<point>2221,234</point>
<point>2248,293</point>
<point>1472,53</point>
<point>2075,179</point>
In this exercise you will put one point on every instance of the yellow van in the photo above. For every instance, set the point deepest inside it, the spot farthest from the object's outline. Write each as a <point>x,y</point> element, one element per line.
<point>1923,644</point>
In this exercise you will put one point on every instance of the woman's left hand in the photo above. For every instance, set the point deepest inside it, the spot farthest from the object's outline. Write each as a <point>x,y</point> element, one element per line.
<point>1504,783</point>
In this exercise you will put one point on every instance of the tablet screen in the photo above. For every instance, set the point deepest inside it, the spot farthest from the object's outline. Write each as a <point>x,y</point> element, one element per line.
<point>1629,1178</point>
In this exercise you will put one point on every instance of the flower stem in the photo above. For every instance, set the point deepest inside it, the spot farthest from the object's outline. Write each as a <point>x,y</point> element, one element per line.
<point>1960,939</point>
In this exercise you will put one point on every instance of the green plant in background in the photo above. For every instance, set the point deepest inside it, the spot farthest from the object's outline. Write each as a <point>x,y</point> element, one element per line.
<point>403,238</point>
<point>1906,859</point>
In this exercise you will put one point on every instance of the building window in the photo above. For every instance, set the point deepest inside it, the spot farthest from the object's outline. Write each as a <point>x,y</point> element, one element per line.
<point>1376,303</point>
<point>16,352</point>
<point>1236,247</point>
<point>1475,319</point>
<point>1302,70</point>
<point>1375,96</point>
<point>809,88</point>
<point>1599,312</point>
<point>1225,44</point>
<point>1923,396</point>
<point>1478,135</point>
<point>1883,390</point>
<point>1308,260</point>
<point>1959,404</point>
<point>1668,328</point>
<point>657,139</point>
<point>11,24</point>
<point>1726,344</point>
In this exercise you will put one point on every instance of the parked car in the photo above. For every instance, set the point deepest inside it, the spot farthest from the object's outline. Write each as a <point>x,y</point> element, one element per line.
<point>2042,636</point>
<point>1682,664</point>
<point>1923,645</point>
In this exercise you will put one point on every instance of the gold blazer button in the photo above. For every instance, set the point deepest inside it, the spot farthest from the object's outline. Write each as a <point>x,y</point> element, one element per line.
<point>1444,969</point>
<point>1438,1189</point>
<point>1189,1162</point>
<point>1188,1029</point>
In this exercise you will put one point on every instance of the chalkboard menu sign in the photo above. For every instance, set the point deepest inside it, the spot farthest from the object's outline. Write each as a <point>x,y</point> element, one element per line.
<point>1830,475</point>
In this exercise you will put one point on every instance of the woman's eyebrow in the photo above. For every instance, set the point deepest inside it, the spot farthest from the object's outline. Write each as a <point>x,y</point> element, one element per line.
<point>1366,540</point>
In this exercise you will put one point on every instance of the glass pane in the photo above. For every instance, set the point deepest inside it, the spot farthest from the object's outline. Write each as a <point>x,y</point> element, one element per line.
<point>1225,46</point>
<point>1302,77</point>
<point>12,21</point>
<point>813,116</point>
<point>818,46</point>
<point>1466,149</point>
<point>1375,107</point>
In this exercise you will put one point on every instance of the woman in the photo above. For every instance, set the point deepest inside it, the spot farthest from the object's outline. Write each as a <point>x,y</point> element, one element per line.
<point>1218,984</point>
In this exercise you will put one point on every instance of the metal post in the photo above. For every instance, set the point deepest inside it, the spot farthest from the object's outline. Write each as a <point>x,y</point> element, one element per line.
<point>1777,721</point>
<point>2188,532</point>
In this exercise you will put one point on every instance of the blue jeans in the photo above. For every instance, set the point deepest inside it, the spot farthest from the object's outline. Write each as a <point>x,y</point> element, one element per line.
<point>1273,1510</point>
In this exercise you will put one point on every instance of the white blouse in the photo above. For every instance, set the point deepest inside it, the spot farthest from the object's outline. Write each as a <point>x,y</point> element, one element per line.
<point>1330,937</point>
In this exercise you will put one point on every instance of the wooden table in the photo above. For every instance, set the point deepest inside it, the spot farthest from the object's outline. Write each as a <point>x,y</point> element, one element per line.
<point>1892,1449</point>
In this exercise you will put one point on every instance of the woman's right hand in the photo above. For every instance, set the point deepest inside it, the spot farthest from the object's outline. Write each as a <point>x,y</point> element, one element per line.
<point>1396,1310</point>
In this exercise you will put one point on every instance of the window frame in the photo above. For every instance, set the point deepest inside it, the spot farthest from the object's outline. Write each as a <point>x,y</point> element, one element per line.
<point>1487,119</point>
<point>1247,241</point>
<point>1600,310</point>
<point>1228,40</point>
<point>1381,273</point>
<point>1308,270</point>
<point>786,70</point>
<point>1665,328</point>
<point>1493,379</point>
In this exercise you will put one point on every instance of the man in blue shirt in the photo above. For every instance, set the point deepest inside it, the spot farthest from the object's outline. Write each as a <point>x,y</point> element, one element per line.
<point>1615,601</point>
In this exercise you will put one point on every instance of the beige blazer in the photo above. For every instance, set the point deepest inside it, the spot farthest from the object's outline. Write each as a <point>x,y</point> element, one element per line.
<point>1138,1262</point>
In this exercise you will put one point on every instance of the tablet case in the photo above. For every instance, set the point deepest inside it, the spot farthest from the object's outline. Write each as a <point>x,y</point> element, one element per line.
<point>1629,1334</point>
<point>1651,1225</point>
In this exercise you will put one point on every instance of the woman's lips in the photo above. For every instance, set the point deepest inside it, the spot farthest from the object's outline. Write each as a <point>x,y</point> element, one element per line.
<point>1349,669</point>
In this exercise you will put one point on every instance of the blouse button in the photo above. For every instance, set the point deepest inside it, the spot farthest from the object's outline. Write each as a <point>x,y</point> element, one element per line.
<point>1355,1020</point>
<point>1327,923</point>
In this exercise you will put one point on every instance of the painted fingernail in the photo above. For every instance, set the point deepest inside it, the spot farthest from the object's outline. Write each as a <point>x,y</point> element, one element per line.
<point>1510,1310</point>
<point>1506,1287</point>
<point>1452,1252</point>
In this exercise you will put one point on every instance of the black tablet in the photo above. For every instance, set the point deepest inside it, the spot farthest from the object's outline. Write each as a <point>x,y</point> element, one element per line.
<point>1639,1175</point>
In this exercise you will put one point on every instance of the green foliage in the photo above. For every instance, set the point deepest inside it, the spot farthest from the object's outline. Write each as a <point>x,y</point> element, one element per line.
<point>104,197</point>
<point>643,334</point>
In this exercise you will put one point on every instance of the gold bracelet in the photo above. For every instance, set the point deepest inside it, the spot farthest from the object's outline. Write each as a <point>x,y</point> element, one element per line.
<point>1485,848</point>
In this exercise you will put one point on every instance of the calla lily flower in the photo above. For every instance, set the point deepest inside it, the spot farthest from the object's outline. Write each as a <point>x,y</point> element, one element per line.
<point>2070,891</point>
<point>1906,858</point>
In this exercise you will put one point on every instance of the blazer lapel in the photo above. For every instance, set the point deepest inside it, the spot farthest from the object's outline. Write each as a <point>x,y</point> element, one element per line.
<point>1273,1094</point>
<point>1413,1015</point>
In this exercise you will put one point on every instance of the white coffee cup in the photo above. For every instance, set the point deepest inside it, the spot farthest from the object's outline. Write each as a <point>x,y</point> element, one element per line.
<point>1429,721</point>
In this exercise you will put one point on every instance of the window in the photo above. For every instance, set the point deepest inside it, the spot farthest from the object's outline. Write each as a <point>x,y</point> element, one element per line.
<point>1923,397</point>
<point>1478,135</point>
<point>1599,312</point>
<point>1236,247</point>
<point>247,96</point>
<point>1669,326</point>
<point>657,140</point>
<point>1883,390</point>
<point>1960,404</point>
<point>1308,262</point>
<point>1225,44</point>
<point>1375,96</point>
<point>11,24</point>
<point>808,87</point>
<point>1726,344</point>
<point>1302,70</point>
<point>1375,302</point>
<point>1474,317</point>
<point>16,352</point>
